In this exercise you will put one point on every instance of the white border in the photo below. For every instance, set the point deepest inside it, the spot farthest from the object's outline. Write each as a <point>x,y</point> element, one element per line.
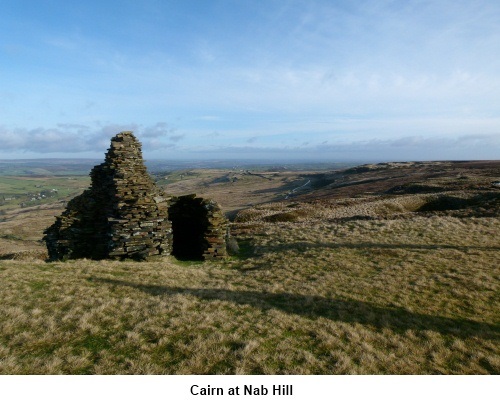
<point>124,390</point>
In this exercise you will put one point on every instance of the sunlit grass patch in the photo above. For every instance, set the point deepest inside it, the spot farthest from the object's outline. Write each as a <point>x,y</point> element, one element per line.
<point>410,295</point>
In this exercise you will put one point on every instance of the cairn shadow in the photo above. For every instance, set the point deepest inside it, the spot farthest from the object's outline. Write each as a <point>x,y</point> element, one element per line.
<point>395,318</point>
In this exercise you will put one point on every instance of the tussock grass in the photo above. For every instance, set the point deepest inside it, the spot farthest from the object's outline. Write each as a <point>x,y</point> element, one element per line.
<point>368,207</point>
<point>412,295</point>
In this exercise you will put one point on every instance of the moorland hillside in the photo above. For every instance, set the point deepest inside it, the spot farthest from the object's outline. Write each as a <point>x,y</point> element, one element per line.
<point>390,268</point>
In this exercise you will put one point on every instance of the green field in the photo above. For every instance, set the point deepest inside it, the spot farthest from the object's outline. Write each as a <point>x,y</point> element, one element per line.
<point>20,192</point>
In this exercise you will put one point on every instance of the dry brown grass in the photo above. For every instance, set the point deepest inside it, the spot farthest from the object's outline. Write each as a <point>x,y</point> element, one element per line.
<point>389,296</point>
<point>374,207</point>
<point>236,190</point>
<point>317,288</point>
<point>21,231</point>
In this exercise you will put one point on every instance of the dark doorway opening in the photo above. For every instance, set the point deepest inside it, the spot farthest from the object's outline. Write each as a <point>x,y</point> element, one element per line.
<point>188,216</point>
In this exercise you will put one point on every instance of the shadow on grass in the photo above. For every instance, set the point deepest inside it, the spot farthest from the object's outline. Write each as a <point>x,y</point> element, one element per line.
<point>308,245</point>
<point>350,311</point>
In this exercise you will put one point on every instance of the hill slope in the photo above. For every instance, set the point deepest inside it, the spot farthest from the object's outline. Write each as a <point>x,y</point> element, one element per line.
<point>403,278</point>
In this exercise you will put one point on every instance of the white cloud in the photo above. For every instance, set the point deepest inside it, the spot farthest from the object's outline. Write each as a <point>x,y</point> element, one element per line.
<point>313,71</point>
<point>160,129</point>
<point>76,138</point>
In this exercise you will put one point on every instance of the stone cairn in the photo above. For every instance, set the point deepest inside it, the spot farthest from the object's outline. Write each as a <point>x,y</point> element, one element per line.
<point>124,215</point>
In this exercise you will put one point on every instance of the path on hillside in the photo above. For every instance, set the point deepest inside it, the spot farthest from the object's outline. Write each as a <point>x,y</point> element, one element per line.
<point>297,188</point>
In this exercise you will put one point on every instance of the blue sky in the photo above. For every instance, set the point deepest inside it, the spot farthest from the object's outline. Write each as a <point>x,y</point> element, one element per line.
<point>315,80</point>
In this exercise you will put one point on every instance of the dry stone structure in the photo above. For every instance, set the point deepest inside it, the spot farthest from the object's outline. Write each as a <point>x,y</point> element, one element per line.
<point>199,226</point>
<point>124,215</point>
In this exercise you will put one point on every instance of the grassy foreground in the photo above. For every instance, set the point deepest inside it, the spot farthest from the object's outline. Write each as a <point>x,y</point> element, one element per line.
<point>413,295</point>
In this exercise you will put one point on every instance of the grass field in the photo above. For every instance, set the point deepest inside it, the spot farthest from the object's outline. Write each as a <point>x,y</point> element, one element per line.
<point>350,276</point>
<point>416,296</point>
<point>18,192</point>
<point>233,189</point>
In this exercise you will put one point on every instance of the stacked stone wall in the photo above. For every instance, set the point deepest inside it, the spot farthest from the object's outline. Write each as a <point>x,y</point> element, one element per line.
<point>124,215</point>
<point>217,231</point>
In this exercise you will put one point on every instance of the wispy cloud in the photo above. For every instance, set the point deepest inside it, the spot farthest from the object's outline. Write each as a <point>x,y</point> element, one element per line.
<point>176,138</point>
<point>76,138</point>
<point>160,129</point>
<point>276,75</point>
